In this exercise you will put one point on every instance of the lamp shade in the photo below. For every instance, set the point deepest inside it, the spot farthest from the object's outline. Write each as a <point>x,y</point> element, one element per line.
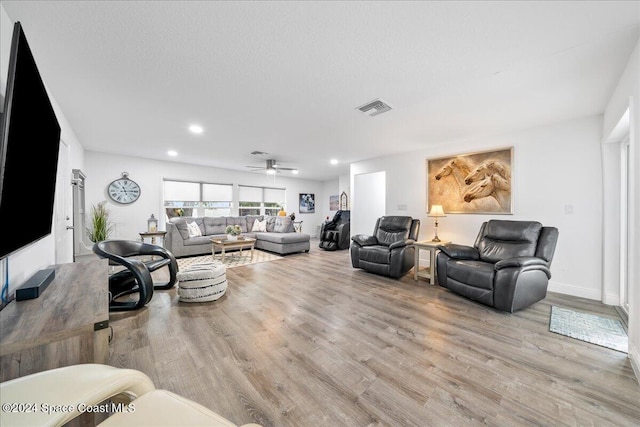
<point>436,211</point>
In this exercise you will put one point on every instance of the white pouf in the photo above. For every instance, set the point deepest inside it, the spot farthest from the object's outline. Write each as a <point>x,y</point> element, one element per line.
<point>202,282</point>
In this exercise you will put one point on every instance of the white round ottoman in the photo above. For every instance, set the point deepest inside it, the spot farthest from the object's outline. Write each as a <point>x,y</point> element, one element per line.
<point>202,282</point>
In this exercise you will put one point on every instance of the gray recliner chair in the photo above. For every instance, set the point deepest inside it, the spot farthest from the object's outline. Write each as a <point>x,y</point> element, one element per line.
<point>507,268</point>
<point>388,251</point>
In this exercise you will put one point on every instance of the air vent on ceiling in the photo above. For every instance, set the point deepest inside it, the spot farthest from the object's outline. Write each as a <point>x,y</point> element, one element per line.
<point>375,107</point>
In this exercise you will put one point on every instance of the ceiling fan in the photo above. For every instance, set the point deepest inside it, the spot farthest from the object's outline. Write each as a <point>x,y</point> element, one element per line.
<point>272,167</point>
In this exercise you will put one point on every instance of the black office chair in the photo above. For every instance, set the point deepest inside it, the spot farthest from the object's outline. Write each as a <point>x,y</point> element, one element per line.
<point>136,276</point>
<point>335,234</point>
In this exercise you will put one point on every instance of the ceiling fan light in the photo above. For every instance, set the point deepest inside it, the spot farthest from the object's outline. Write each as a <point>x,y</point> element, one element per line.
<point>271,171</point>
<point>294,172</point>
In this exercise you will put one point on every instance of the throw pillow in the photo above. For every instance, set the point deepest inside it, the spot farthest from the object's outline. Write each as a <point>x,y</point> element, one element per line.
<point>194,230</point>
<point>259,225</point>
<point>283,224</point>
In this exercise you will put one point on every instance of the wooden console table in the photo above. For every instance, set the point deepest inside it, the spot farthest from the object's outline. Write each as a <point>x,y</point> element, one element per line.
<point>68,324</point>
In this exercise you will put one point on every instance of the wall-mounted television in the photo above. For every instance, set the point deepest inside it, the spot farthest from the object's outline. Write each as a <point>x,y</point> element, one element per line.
<point>30,140</point>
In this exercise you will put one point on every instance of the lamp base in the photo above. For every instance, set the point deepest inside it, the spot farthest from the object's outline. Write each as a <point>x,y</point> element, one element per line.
<point>435,239</point>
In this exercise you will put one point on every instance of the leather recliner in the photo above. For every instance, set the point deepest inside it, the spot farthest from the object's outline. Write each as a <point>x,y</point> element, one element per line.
<point>389,251</point>
<point>335,234</point>
<point>507,268</point>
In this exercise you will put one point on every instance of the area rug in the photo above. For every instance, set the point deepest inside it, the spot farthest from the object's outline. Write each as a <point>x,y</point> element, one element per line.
<point>599,330</point>
<point>232,259</point>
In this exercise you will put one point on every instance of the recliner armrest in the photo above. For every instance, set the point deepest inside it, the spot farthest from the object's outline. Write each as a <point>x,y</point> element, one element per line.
<point>364,240</point>
<point>521,261</point>
<point>401,243</point>
<point>460,251</point>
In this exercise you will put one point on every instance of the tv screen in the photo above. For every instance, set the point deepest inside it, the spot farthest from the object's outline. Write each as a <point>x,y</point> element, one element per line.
<point>29,152</point>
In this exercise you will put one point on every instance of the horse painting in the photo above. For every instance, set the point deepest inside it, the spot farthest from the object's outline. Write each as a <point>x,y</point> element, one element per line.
<point>486,169</point>
<point>471,183</point>
<point>492,186</point>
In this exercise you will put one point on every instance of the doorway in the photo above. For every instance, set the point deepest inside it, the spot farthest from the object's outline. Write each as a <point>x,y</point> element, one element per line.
<point>62,226</point>
<point>368,201</point>
<point>625,261</point>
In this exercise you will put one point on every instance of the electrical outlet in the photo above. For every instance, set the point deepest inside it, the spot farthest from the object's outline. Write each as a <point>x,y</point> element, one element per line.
<point>568,209</point>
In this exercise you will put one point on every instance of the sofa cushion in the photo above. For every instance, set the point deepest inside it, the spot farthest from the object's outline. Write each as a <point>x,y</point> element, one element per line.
<point>195,241</point>
<point>183,227</point>
<point>283,224</point>
<point>271,222</point>
<point>214,225</point>
<point>282,237</point>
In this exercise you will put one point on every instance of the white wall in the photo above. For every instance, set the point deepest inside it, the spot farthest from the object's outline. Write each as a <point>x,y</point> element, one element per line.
<point>41,254</point>
<point>554,167</point>
<point>131,219</point>
<point>625,96</point>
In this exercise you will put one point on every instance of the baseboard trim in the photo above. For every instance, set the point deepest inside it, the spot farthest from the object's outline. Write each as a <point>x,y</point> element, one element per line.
<point>576,291</point>
<point>634,358</point>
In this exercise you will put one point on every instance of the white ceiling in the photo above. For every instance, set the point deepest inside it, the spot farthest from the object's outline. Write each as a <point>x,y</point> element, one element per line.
<point>286,77</point>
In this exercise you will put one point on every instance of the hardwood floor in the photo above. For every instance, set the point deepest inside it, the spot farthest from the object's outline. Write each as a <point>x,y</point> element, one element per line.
<point>310,341</point>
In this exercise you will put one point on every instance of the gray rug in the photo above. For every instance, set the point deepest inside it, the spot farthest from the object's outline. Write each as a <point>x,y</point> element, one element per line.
<point>232,259</point>
<point>599,330</point>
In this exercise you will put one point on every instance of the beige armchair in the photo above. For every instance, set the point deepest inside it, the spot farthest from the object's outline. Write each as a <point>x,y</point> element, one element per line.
<point>68,392</point>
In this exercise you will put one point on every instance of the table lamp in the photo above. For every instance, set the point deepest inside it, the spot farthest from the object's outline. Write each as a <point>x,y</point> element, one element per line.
<point>436,212</point>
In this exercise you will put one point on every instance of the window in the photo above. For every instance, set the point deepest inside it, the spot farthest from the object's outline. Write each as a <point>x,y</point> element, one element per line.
<point>260,200</point>
<point>183,198</point>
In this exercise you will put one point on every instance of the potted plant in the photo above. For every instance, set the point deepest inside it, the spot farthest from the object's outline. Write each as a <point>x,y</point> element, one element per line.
<point>233,231</point>
<point>100,226</point>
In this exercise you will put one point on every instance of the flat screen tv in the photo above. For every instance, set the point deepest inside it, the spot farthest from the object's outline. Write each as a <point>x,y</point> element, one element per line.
<point>30,138</point>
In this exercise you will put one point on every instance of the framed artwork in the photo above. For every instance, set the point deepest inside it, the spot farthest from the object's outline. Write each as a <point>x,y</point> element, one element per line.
<point>307,202</point>
<point>333,203</point>
<point>471,183</point>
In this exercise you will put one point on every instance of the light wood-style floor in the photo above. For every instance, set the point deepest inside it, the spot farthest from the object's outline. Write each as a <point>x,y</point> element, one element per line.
<point>310,341</point>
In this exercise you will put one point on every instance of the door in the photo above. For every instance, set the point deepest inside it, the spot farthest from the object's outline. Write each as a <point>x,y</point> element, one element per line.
<point>62,217</point>
<point>369,201</point>
<point>625,260</point>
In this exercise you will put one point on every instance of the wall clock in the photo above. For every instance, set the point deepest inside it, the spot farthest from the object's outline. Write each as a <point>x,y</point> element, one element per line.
<point>123,190</point>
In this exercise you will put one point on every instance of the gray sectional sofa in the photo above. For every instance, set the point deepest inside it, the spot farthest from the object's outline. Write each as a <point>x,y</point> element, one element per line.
<point>280,236</point>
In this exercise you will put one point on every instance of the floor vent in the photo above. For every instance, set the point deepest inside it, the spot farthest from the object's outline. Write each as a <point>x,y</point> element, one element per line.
<point>375,107</point>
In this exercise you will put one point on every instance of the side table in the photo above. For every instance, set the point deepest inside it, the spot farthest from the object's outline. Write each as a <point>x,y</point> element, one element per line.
<point>153,235</point>
<point>430,272</point>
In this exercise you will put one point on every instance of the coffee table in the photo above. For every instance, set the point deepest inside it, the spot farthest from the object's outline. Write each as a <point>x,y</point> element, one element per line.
<point>223,245</point>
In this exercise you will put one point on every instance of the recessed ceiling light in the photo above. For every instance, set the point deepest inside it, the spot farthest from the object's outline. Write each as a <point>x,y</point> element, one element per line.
<point>295,171</point>
<point>334,161</point>
<point>172,153</point>
<point>196,129</point>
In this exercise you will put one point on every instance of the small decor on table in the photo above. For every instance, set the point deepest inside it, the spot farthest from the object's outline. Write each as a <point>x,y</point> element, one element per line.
<point>233,231</point>
<point>152,224</point>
